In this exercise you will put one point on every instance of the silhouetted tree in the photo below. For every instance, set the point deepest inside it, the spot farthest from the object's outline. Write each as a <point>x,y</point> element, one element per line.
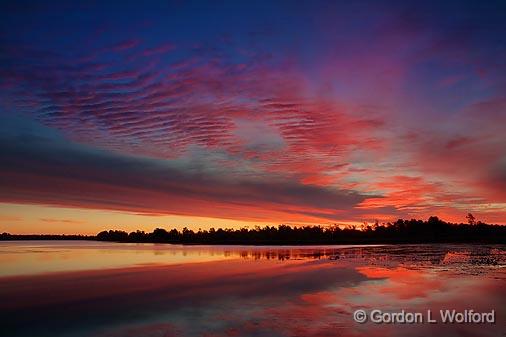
<point>471,219</point>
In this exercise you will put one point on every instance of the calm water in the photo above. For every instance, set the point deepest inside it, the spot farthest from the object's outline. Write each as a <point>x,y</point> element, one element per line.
<point>144,290</point>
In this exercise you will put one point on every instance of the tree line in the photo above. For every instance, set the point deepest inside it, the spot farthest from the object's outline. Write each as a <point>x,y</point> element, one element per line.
<point>433,230</point>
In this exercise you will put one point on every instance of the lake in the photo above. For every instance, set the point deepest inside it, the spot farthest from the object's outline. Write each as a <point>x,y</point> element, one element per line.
<point>86,288</point>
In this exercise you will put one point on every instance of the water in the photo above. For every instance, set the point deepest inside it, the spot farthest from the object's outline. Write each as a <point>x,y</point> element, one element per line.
<point>68,288</point>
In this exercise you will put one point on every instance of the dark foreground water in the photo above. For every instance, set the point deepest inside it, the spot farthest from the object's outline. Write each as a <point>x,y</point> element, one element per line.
<point>143,290</point>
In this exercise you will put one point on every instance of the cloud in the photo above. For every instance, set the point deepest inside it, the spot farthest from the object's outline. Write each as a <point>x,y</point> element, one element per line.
<point>339,108</point>
<point>125,45</point>
<point>153,109</point>
<point>43,168</point>
<point>65,221</point>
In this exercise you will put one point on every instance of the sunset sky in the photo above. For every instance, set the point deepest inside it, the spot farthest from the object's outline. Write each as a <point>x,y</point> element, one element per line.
<point>138,114</point>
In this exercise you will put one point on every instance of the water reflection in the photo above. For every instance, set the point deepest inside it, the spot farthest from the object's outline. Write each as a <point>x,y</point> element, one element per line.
<point>260,291</point>
<point>33,257</point>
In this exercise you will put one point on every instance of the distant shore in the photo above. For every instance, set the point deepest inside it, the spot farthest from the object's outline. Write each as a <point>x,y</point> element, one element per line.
<point>401,231</point>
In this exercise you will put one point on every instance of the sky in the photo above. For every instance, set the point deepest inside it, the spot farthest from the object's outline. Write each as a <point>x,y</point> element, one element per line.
<point>139,114</point>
